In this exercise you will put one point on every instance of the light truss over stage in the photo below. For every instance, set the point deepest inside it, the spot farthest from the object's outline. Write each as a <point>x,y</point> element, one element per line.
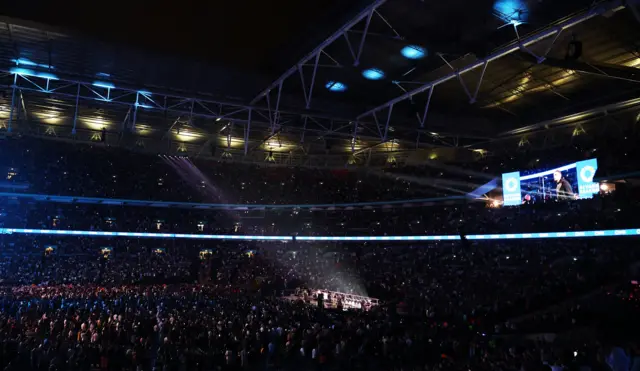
<point>210,206</point>
<point>60,103</point>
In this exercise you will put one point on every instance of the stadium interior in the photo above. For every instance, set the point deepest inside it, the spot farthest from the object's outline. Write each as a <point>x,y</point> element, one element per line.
<point>382,185</point>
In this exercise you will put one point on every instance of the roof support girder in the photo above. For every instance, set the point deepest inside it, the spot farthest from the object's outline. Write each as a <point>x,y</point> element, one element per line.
<point>366,13</point>
<point>572,119</point>
<point>602,70</point>
<point>521,44</point>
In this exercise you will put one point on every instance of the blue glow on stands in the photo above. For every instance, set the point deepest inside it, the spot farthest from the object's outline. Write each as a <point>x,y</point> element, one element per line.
<point>142,234</point>
<point>27,72</point>
<point>377,238</point>
<point>413,52</point>
<point>572,234</point>
<point>373,74</point>
<point>509,236</point>
<point>24,62</point>
<point>336,86</point>
<point>27,62</point>
<point>102,84</point>
<point>512,11</point>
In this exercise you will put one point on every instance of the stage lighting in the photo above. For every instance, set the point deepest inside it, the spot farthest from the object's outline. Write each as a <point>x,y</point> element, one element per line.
<point>32,73</point>
<point>336,86</point>
<point>413,52</point>
<point>102,84</point>
<point>513,12</point>
<point>373,74</point>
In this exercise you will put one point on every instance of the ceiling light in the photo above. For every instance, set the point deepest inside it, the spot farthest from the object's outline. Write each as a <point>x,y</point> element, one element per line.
<point>373,74</point>
<point>336,86</point>
<point>413,52</point>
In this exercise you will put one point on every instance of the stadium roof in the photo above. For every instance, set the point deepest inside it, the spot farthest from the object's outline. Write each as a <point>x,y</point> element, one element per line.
<point>343,82</point>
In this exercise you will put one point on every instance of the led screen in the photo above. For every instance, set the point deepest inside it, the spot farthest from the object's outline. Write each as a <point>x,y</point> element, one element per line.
<point>567,182</point>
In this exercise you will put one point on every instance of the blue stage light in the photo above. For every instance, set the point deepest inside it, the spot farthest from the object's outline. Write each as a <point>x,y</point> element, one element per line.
<point>373,74</point>
<point>512,11</point>
<point>336,86</point>
<point>24,62</point>
<point>30,63</point>
<point>413,52</point>
<point>102,84</point>
<point>27,72</point>
<point>22,71</point>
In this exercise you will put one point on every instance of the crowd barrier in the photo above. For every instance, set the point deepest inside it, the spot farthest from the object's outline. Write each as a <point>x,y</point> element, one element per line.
<point>508,236</point>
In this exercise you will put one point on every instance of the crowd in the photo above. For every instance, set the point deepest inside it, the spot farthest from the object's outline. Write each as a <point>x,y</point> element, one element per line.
<point>78,303</point>
<point>76,169</point>
<point>602,212</point>
<point>66,168</point>
<point>97,303</point>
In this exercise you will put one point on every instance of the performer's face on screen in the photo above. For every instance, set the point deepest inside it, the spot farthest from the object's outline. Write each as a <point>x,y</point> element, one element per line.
<point>557,176</point>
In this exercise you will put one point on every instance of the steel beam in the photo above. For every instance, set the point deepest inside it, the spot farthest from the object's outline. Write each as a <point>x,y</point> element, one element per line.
<point>247,131</point>
<point>125,93</point>
<point>386,127</point>
<point>135,112</point>
<point>24,107</point>
<point>75,114</point>
<point>181,106</point>
<point>576,117</point>
<point>633,6</point>
<point>336,35</point>
<point>354,139</point>
<point>304,130</point>
<point>229,134</point>
<point>124,122</point>
<point>13,103</point>
<point>508,49</point>
<point>426,108</point>
<point>313,80</point>
<point>623,73</point>
<point>356,63</point>
<point>475,95</point>
<point>173,104</point>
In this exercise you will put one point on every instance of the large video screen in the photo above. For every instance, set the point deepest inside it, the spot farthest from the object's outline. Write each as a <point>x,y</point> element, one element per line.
<point>567,182</point>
